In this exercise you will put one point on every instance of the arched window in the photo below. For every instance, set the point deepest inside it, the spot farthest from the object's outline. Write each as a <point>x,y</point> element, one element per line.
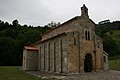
<point>87,35</point>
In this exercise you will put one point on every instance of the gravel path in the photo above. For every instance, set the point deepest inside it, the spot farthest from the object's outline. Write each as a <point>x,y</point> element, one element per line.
<point>107,75</point>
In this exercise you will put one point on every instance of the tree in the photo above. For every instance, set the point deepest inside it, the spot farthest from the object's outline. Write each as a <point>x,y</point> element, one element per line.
<point>15,23</point>
<point>109,45</point>
<point>52,24</point>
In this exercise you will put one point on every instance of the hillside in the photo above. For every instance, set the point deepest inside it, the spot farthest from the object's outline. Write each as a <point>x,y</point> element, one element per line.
<point>115,35</point>
<point>13,37</point>
<point>110,33</point>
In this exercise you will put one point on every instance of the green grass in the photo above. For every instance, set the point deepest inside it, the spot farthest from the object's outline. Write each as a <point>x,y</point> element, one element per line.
<point>114,64</point>
<point>14,73</point>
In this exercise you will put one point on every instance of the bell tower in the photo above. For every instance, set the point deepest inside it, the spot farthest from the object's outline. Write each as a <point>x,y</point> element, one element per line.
<point>84,11</point>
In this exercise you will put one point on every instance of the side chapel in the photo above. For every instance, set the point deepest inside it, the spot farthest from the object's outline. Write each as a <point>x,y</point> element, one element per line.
<point>72,47</point>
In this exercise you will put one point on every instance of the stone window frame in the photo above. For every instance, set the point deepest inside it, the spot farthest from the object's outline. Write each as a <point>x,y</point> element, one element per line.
<point>87,35</point>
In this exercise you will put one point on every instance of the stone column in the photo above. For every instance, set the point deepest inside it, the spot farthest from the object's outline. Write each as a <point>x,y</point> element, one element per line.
<point>49,60</point>
<point>42,58</point>
<point>46,57</point>
<point>39,59</point>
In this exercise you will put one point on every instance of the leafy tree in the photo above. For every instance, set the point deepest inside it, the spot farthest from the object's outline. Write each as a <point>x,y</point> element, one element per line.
<point>15,23</point>
<point>52,24</point>
<point>109,45</point>
<point>13,38</point>
<point>102,30</point>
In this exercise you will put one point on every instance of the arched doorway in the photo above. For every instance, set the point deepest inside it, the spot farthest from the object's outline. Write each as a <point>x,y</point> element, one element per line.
<point>88,65</point>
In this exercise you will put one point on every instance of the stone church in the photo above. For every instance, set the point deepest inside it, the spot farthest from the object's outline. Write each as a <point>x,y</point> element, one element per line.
<point>72,47</point>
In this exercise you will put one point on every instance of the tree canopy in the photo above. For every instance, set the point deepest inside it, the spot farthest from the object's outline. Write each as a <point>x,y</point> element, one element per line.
<point>13,37</point>
<point>105,30</point>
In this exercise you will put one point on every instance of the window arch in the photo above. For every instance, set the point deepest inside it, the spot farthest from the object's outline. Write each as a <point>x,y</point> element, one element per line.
<point>87,35</point>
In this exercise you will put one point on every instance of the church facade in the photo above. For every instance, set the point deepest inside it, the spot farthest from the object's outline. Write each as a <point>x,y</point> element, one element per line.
<point>72,47</point>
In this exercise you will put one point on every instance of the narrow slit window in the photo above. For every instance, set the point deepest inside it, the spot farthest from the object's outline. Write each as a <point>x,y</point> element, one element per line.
<point>86,35</point>
<point>74,41</point>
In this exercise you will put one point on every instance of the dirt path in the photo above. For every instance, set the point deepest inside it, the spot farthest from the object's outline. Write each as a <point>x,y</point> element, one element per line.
<point>108,75</point>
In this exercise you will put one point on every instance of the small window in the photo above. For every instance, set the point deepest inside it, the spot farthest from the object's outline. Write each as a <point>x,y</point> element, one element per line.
<point>104,59</point>
<point>74,41</point>
<point>87,35</point>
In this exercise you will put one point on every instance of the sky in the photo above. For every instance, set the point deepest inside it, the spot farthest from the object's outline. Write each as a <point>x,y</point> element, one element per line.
<point>42,12</point>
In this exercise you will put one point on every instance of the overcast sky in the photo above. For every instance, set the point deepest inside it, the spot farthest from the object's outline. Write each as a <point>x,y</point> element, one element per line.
<point>41,12</point>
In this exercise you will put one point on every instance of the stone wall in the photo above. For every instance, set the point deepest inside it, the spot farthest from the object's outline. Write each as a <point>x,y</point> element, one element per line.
<point>73,52</point>
<point>53,55</point>
<point>24,59</point>
<point>63,49</point>
<point>71,25</point>
<point>99,53</point>
<point>30,61</point>
<point>73,47</point>
<point>105,60</point>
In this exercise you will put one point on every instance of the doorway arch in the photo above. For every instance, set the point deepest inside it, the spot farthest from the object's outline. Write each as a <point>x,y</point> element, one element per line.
<point>88,64</point>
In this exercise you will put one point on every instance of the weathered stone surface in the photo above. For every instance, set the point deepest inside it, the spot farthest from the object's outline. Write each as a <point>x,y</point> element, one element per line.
<point>30,61</point>
<point>73,47</point>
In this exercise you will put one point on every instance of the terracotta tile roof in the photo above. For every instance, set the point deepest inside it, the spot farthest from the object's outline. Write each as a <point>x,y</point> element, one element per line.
<point>63,24</point>
<point>39,41</point>
<point>30,48</point>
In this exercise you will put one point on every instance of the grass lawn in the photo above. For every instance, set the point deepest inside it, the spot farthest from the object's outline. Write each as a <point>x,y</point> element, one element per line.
<point>113,65</point>
<point>14,73</point>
